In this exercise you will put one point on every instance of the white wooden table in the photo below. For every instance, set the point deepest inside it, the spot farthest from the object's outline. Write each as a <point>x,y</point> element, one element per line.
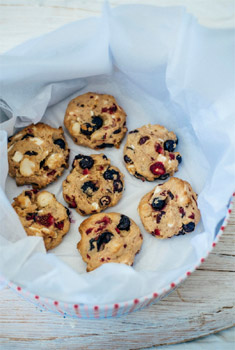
<point>204,304</point>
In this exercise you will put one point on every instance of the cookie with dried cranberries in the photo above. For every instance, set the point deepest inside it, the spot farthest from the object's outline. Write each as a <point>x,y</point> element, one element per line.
<point>170,209</point>
<point>149,153</point>
<point>42,215</point>
<point>110,237</point>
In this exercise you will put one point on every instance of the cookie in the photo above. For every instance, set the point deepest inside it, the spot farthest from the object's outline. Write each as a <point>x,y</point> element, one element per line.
<point>109,238</point>
<point>41,215</point>
<point>170,209</point>
<point>93,184</point>
<point>95,120</point>
<point>37,155</point>
<point>149,153</point>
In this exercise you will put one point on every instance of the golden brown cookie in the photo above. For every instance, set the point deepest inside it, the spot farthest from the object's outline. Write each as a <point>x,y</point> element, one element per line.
<point>41,215</point>
<point>93,184</point>
<point>149,153</point>
<point>37,155</point>
<point>170,209</point>
<point>109,238</point>
<point>95,120</point>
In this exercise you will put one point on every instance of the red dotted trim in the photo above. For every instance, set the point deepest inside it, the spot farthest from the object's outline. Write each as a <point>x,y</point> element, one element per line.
<point>202,260</point>
<point>172,285</point>
<point>56,303</point>
<point>36,296</point>
<point>188,273</point>
<point>19,289</point>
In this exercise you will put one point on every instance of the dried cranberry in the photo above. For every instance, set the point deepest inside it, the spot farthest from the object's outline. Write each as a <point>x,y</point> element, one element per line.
<point>189,227</point>
<point>117,186</point>
<point>105,221</point>
<point>45,220</point>
<point>127,159</point>
<point>89,187</point>
<point>86,171</point>
<point>111,174</point>
<point>192,216</point>
<point>51,173</point>
<point>31,153</point>
<point>97,121</point>
<point>169,145</point>
<point>89,230</point>
<point>29,194</point>
<point>59,225</point>
<point>87,129</point>
<point>157,168</point>
<point>117,131</point>
<point>109,110</point>
<point>143,139</point>
<point>159,149</point>
<point>179,158</point>
<point>117,229</point>
<point>31,216</point>
<point>182,212</point>
<point>124,223</point>
<point>172,156</point>
<point>46,168</point>
<point>71,201</point>
<point>105,200</point>
<point>60,143</point>
<point>158,204</point>
<point>156,232</point>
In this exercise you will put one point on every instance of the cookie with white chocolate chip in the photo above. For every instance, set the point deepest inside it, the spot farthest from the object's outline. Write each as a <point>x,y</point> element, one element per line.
<point>93,184</point>
<point>170,209</point>
<point>37,155</point>
<point>95,120</point>
<point>149,153</point>
<point>41,215</point>
<point>109,238</point>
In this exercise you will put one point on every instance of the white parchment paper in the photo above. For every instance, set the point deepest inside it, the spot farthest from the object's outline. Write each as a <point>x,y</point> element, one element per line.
<point>162,67</point>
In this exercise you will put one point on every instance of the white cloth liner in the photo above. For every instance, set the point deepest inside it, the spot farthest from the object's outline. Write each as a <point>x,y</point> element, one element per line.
<point>163,67</point>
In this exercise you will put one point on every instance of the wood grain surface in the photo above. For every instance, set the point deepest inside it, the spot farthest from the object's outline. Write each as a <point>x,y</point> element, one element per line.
<point>203,304</point>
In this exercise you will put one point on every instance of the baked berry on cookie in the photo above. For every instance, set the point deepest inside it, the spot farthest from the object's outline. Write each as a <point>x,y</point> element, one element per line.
<point>170,209</point>
<point>37,155</point>
<point>93,184</point>
<point>41,215</point>
<point>109,238</point>
<point>149,153</point>
<point>95,120</point>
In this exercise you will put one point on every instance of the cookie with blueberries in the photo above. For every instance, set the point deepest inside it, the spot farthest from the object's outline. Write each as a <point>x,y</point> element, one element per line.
<point>95,120</point>
<point>149,153</point>
<point>170,209</point>
<point>37,155</point>
<point>93,184</point>
<point>112,237</point>
<point>43,216</point>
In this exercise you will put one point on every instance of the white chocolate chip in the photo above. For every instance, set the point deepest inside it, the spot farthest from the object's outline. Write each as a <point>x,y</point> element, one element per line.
<point>161,140</point>
<point>37,140</point>
<point>17,136</point>
<point>78,119</point>
<point>92,113</point>
<point>113,116</point>
<point>161,158</point>
<point>27,167</point>
<point>10,148</point>
<point>157,190</point>
<point>45,230</point>
<point>44,198</point>
<point>170,225</point>
<point>105,102</point>
<point>37,231</point>
<point>82,178</point>
<point>53,160</point>
<point>24,201</point>
<point>132,146</point>
<point>17,157</point>
<point>71,113</point>
<point>95,205</point>
<point>96,97</point>
<point>76,128</point>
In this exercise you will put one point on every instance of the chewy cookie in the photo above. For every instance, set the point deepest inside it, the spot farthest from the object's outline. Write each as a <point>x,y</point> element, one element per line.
<point>95,121</point>
<point>109,238</point>
<point>41,215</point>
<point>93,184</point>
<point>149,153</point>
<point>37,155</point>
<point>170,209</point>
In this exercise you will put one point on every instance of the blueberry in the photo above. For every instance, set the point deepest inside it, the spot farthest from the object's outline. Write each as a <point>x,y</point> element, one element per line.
<point>104,156</point>
<point>9,138</point>
<point>163,177</point>
<point>139,176</point>
<point>97,121</point>
<point>127,159</point>
<point>111,174</point>
<point>158,204</point>
<point>170,194</point>
<point>87,129</point>
<point>181,233</point>
<point>60,143</point>
<point>103,239</point>
<point>89,187</point>
<point>124,223</point>
<point>169,145</point>
<point>26,136</point>
<point>42,163</point>
<point>31,153</point>
<point>143,139</point>
<point>86,162</point>
<point>189,227</point>
<point>103,145</point>
<point>117,131</point>
<point>105,200</point>
<point>179,158</point>
<point>117,186</point>
<point>133,131</point>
